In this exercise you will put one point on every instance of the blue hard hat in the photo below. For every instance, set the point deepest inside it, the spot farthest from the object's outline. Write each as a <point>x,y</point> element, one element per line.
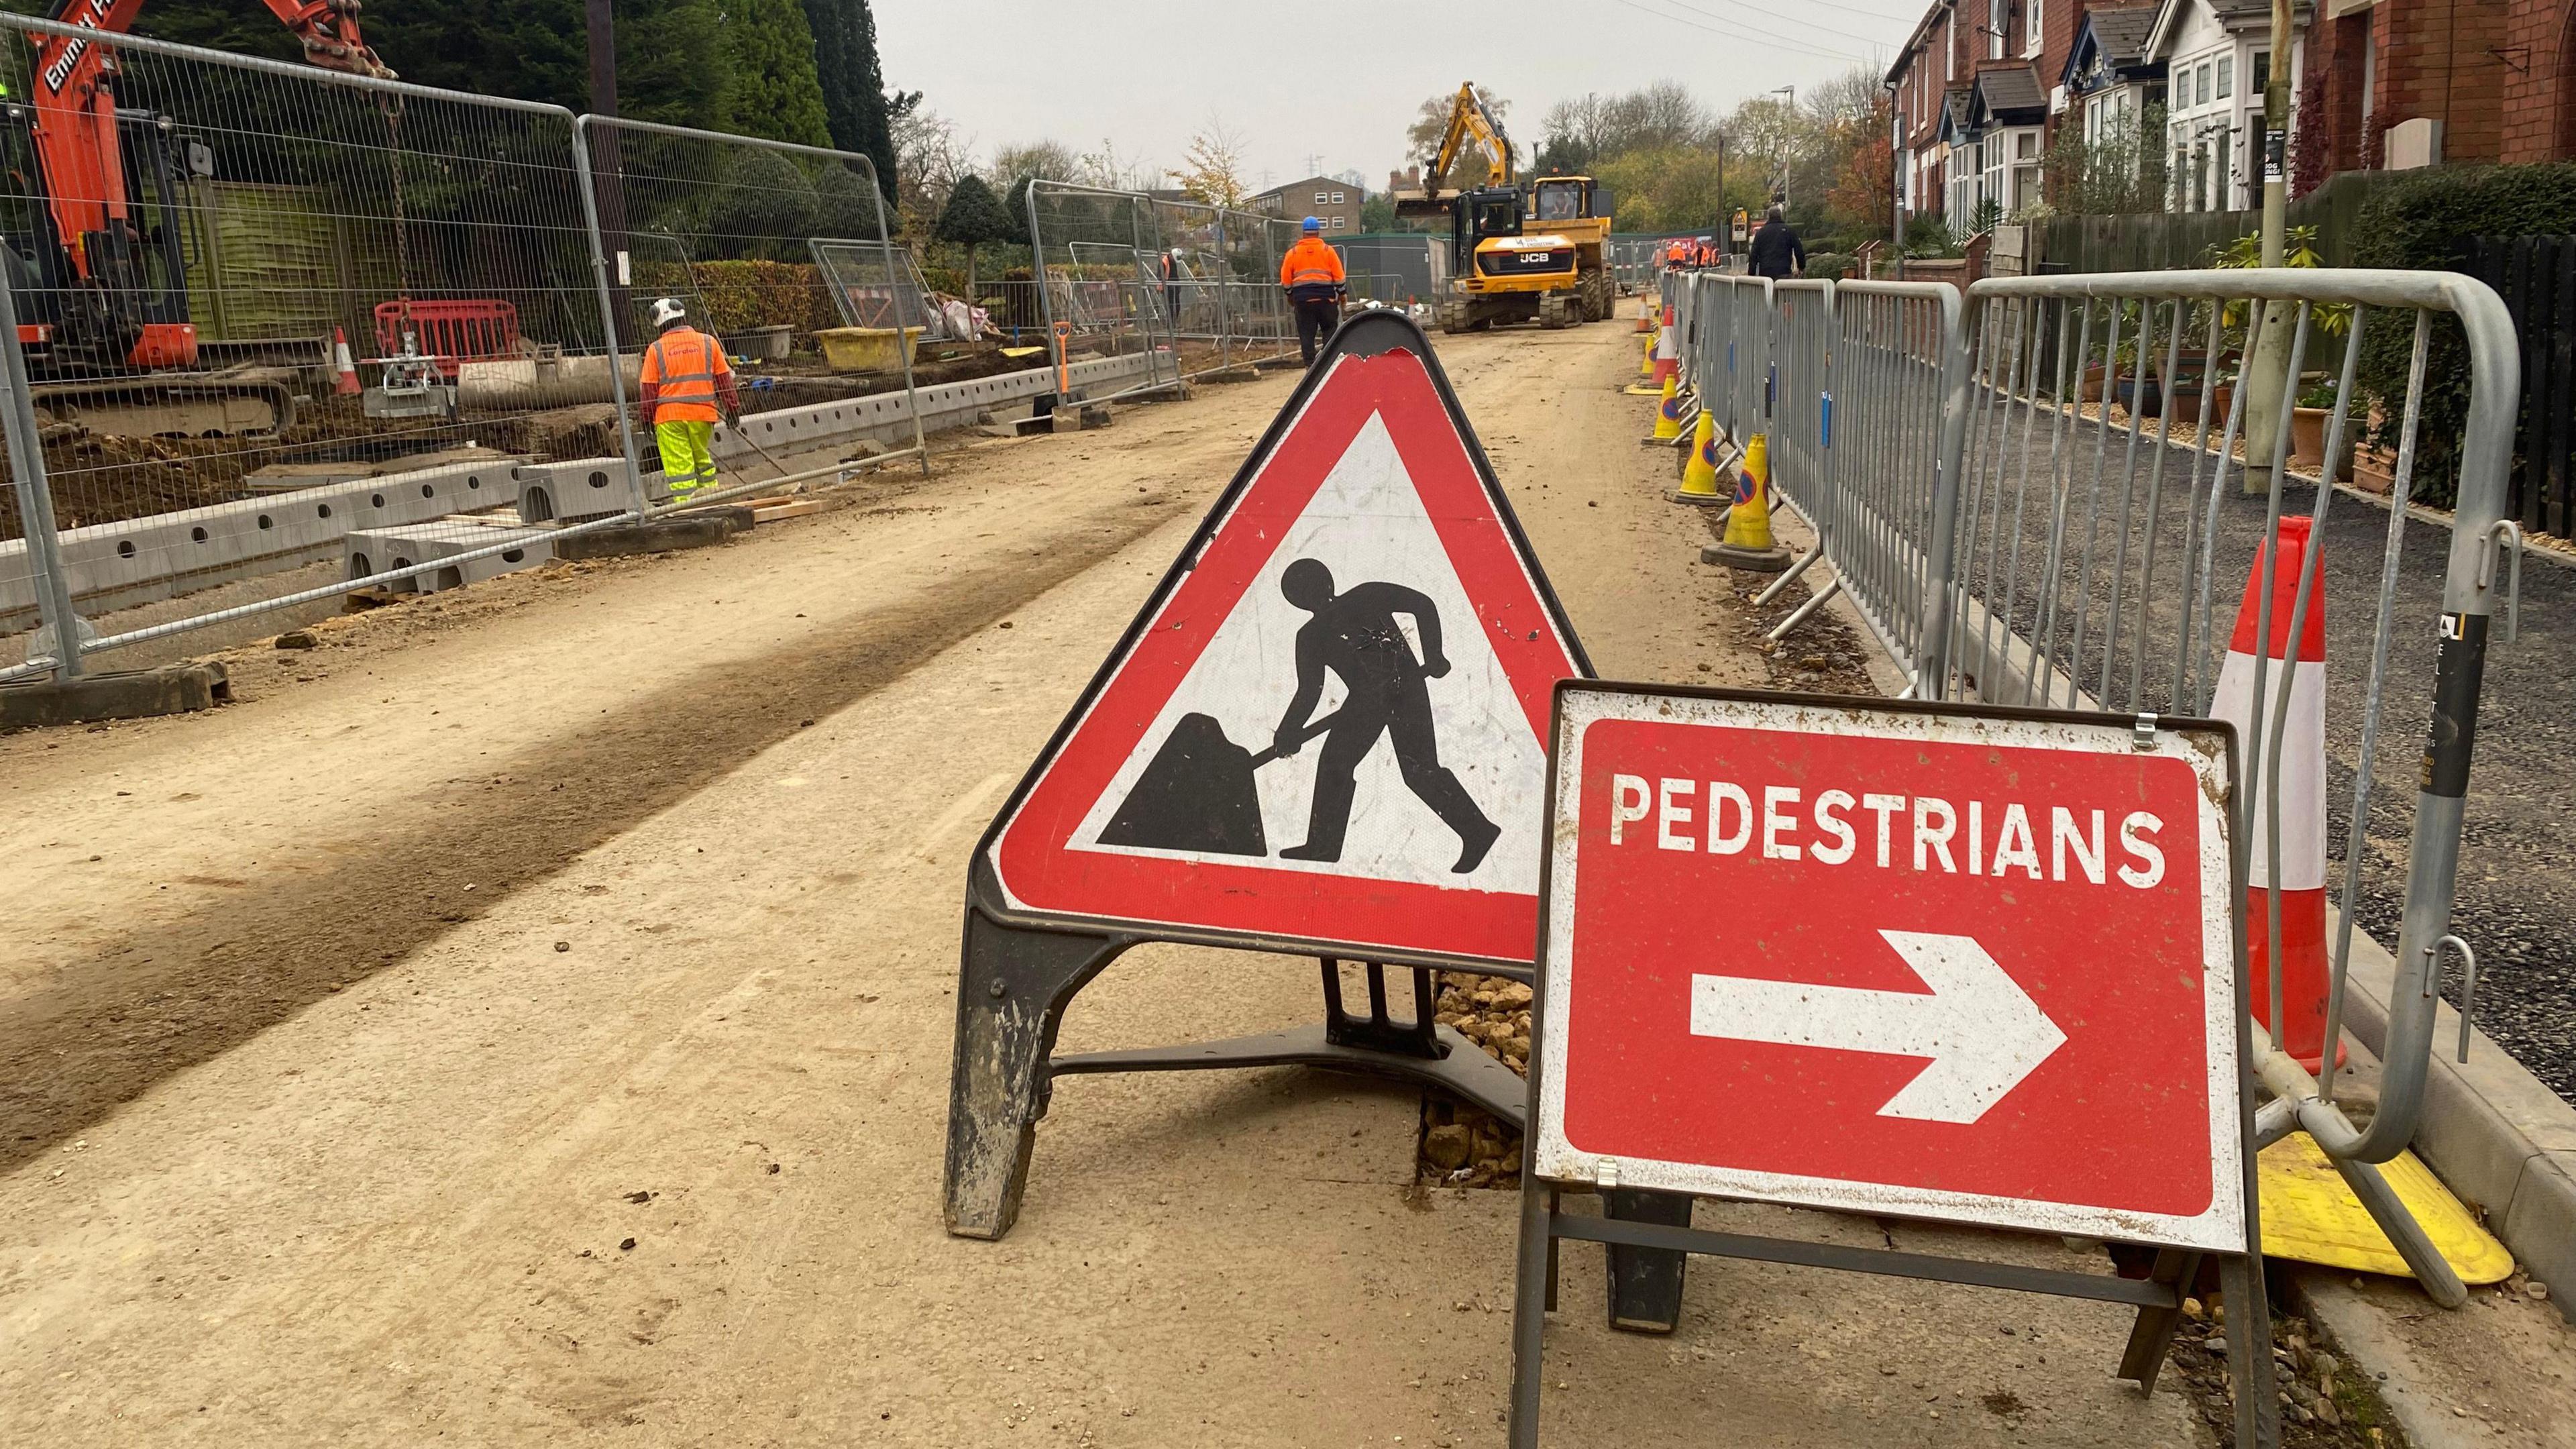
<point>1311,224</point>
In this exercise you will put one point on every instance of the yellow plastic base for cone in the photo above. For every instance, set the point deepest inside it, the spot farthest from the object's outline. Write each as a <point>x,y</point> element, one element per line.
<point>1699,475</point>
<point>1668,415</point>
<point>2310,1215</point>
<point>1748,543</point>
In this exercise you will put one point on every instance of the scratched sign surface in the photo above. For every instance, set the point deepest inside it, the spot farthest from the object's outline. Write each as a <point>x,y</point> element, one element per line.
<point>1331,726</point>
<point>1971,968</point>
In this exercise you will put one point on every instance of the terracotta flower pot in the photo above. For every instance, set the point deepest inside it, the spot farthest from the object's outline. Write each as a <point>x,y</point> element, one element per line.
<point>2308,441</point>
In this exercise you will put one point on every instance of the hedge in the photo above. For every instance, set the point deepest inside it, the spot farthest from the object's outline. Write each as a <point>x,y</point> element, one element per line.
<point>746,294</point>
<point>2428,222</point>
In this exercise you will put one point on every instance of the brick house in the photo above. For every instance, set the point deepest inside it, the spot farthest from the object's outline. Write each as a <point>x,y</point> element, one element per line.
<point>1329,199</point>
<point>1978,90</point>
<point>2377,83</point>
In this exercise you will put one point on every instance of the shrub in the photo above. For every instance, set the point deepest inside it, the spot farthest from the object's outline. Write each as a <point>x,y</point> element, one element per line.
<point>2428,222</point>
<point>747,294</point>
<point>1828,266</point>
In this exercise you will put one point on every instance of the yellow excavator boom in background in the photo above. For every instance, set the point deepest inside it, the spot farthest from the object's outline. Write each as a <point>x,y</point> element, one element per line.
<point>1517,254</point>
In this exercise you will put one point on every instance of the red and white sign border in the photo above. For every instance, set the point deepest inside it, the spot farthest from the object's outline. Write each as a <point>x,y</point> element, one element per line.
<point>2204,746</point>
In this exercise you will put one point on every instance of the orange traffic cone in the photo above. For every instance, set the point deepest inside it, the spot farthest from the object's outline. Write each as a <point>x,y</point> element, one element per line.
<point>347,383</point>
<point>1645,313</point>
<point>2302,774</point>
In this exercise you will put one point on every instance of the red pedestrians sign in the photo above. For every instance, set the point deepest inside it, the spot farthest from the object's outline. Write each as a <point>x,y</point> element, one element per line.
<point>1972,967</point>
<point>1326,730</point>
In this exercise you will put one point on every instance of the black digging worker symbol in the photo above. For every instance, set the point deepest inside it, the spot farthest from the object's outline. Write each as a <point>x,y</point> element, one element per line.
<point>1197,793</point>
<point>1386,692</point>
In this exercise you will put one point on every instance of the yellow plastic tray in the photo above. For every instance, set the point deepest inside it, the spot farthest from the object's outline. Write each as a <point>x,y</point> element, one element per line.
<point>2310,1216</point>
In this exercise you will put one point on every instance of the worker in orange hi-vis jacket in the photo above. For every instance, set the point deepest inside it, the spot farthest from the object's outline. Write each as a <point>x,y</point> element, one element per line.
<point>688,385</point>
<point>1312,273</point>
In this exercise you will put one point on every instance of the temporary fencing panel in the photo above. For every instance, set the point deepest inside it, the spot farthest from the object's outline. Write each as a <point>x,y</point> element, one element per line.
<point>869,287</point>
<point>179,460</point>
<point>1195,286</point>
<point>2038,498</point>
<point>185,453</point>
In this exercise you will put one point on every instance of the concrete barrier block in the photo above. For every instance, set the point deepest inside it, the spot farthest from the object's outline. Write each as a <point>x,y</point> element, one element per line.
<point>375,550</point>
<point>579,489</point>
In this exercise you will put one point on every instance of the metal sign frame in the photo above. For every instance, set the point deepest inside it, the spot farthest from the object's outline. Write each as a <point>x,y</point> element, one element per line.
<point>1021,967</point>
<point>2178,1257</point>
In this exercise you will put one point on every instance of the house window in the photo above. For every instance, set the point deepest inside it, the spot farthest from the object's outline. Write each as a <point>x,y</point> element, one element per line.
<point>2226,75</point>
<point>1337,196</point>
<point>2262,71</point>
<point>2034,18</point>
<point>2200,85</point>
<point>2025,178</point>
<point>1337,223</point>
<point>1949,56</point>
<point>2223,183</point>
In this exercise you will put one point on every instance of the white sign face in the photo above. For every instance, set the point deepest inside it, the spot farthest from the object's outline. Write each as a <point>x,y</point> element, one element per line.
<point>1366,525</point>
<point>1327,728</point>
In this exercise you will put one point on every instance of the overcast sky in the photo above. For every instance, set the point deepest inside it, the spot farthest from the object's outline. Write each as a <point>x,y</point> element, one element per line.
<point>1339,80</point>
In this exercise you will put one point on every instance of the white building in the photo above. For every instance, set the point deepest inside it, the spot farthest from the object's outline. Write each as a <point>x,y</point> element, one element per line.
<point>2217,60</point>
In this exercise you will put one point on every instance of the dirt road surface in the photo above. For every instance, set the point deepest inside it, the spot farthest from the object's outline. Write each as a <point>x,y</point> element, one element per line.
<point>525,1019</point>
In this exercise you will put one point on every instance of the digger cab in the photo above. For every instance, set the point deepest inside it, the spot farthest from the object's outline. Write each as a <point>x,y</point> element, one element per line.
<point>1556,199</point>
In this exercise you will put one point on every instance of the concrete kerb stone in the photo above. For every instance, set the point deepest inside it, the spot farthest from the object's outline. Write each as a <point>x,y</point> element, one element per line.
<point>700,528</point>
<point>2494,1133</point>
<point>129,694</point>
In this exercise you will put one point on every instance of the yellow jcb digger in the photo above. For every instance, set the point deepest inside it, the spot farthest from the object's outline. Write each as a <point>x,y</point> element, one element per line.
<point>1516,254</point>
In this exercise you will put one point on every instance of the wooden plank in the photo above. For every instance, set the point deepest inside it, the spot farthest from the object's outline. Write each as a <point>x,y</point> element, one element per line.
<point>791,508</point>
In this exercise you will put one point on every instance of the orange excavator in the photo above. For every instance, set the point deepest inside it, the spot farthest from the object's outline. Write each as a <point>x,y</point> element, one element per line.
<point>100,273</point>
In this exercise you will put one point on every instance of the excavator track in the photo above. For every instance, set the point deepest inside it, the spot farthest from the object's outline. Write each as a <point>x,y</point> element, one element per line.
<point>172,404</point>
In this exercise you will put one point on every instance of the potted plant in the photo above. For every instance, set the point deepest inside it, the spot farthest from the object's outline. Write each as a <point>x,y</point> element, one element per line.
<point>2308,417</point>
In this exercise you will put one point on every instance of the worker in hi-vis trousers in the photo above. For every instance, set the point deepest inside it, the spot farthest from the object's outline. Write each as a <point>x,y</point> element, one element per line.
<point>687,386</point>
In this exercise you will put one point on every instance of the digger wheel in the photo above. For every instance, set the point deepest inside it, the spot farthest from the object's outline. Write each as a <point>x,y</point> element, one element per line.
<point>1603,296</point>
<point>1453,317</point>
<point>1555,311</point>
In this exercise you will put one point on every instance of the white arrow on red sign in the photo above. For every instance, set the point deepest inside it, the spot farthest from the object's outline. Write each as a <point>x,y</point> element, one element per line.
<point>1982,1031</point>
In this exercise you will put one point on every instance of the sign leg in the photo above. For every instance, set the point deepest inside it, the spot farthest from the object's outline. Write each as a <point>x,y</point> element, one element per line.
<point>2249,1352</point>
<point>1533,1293</point>
<point>1646,1283</point>
<point>1011,992</point>
<point>2152,1336</point>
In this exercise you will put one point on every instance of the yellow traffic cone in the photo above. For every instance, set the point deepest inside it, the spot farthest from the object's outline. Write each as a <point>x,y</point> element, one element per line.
<point>1748,544</point>
<point>1699,475</point>
<point>1668,415</point>
<point>1644,386</point>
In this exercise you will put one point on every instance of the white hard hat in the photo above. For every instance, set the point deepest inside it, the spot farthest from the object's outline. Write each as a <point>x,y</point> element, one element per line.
<point>667,310</point>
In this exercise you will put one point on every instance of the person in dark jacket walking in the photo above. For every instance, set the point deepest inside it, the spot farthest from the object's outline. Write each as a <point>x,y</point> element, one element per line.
<point>1776,251</point>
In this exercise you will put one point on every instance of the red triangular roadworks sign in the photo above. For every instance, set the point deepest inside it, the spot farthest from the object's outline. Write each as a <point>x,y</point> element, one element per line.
<point>1362,591</point>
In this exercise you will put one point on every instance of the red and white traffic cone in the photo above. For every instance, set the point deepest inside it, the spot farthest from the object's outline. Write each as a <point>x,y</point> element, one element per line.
<point>1667,358</point>
<point>2301,771</point>
<point>347,383</point>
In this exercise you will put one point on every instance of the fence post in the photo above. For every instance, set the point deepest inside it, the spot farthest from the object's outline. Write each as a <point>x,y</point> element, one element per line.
<point>1046,298</point>
<point>589,189</point>
<point>1932,652</point>
<point>902,339</point>
<point>35,496</point>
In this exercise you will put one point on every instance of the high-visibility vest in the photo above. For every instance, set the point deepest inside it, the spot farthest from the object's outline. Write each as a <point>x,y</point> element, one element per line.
<point>684,363</point>
<point>1310,263</point>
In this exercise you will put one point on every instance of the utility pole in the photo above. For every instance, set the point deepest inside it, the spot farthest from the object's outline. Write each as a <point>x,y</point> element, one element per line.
<point>1788,115</point>
<point>604,160</point>
<point>1895,187</point>
<point>2268,378</point>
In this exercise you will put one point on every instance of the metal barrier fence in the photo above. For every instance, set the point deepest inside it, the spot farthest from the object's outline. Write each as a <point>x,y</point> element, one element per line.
<point>869,287</point>
<point>188,445</point>
<point>2035,495</point>
<point>1195,287</point>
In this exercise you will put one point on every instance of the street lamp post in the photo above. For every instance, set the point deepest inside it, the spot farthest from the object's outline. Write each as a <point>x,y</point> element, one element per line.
<point>1789,111</point>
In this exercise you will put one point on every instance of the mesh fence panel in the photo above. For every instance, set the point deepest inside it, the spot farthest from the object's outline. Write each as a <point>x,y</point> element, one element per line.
<point>183,273</point>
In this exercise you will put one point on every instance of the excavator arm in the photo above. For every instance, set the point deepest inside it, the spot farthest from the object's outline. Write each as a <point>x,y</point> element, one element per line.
<point>1471,120</point>
<point>74,100</point>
